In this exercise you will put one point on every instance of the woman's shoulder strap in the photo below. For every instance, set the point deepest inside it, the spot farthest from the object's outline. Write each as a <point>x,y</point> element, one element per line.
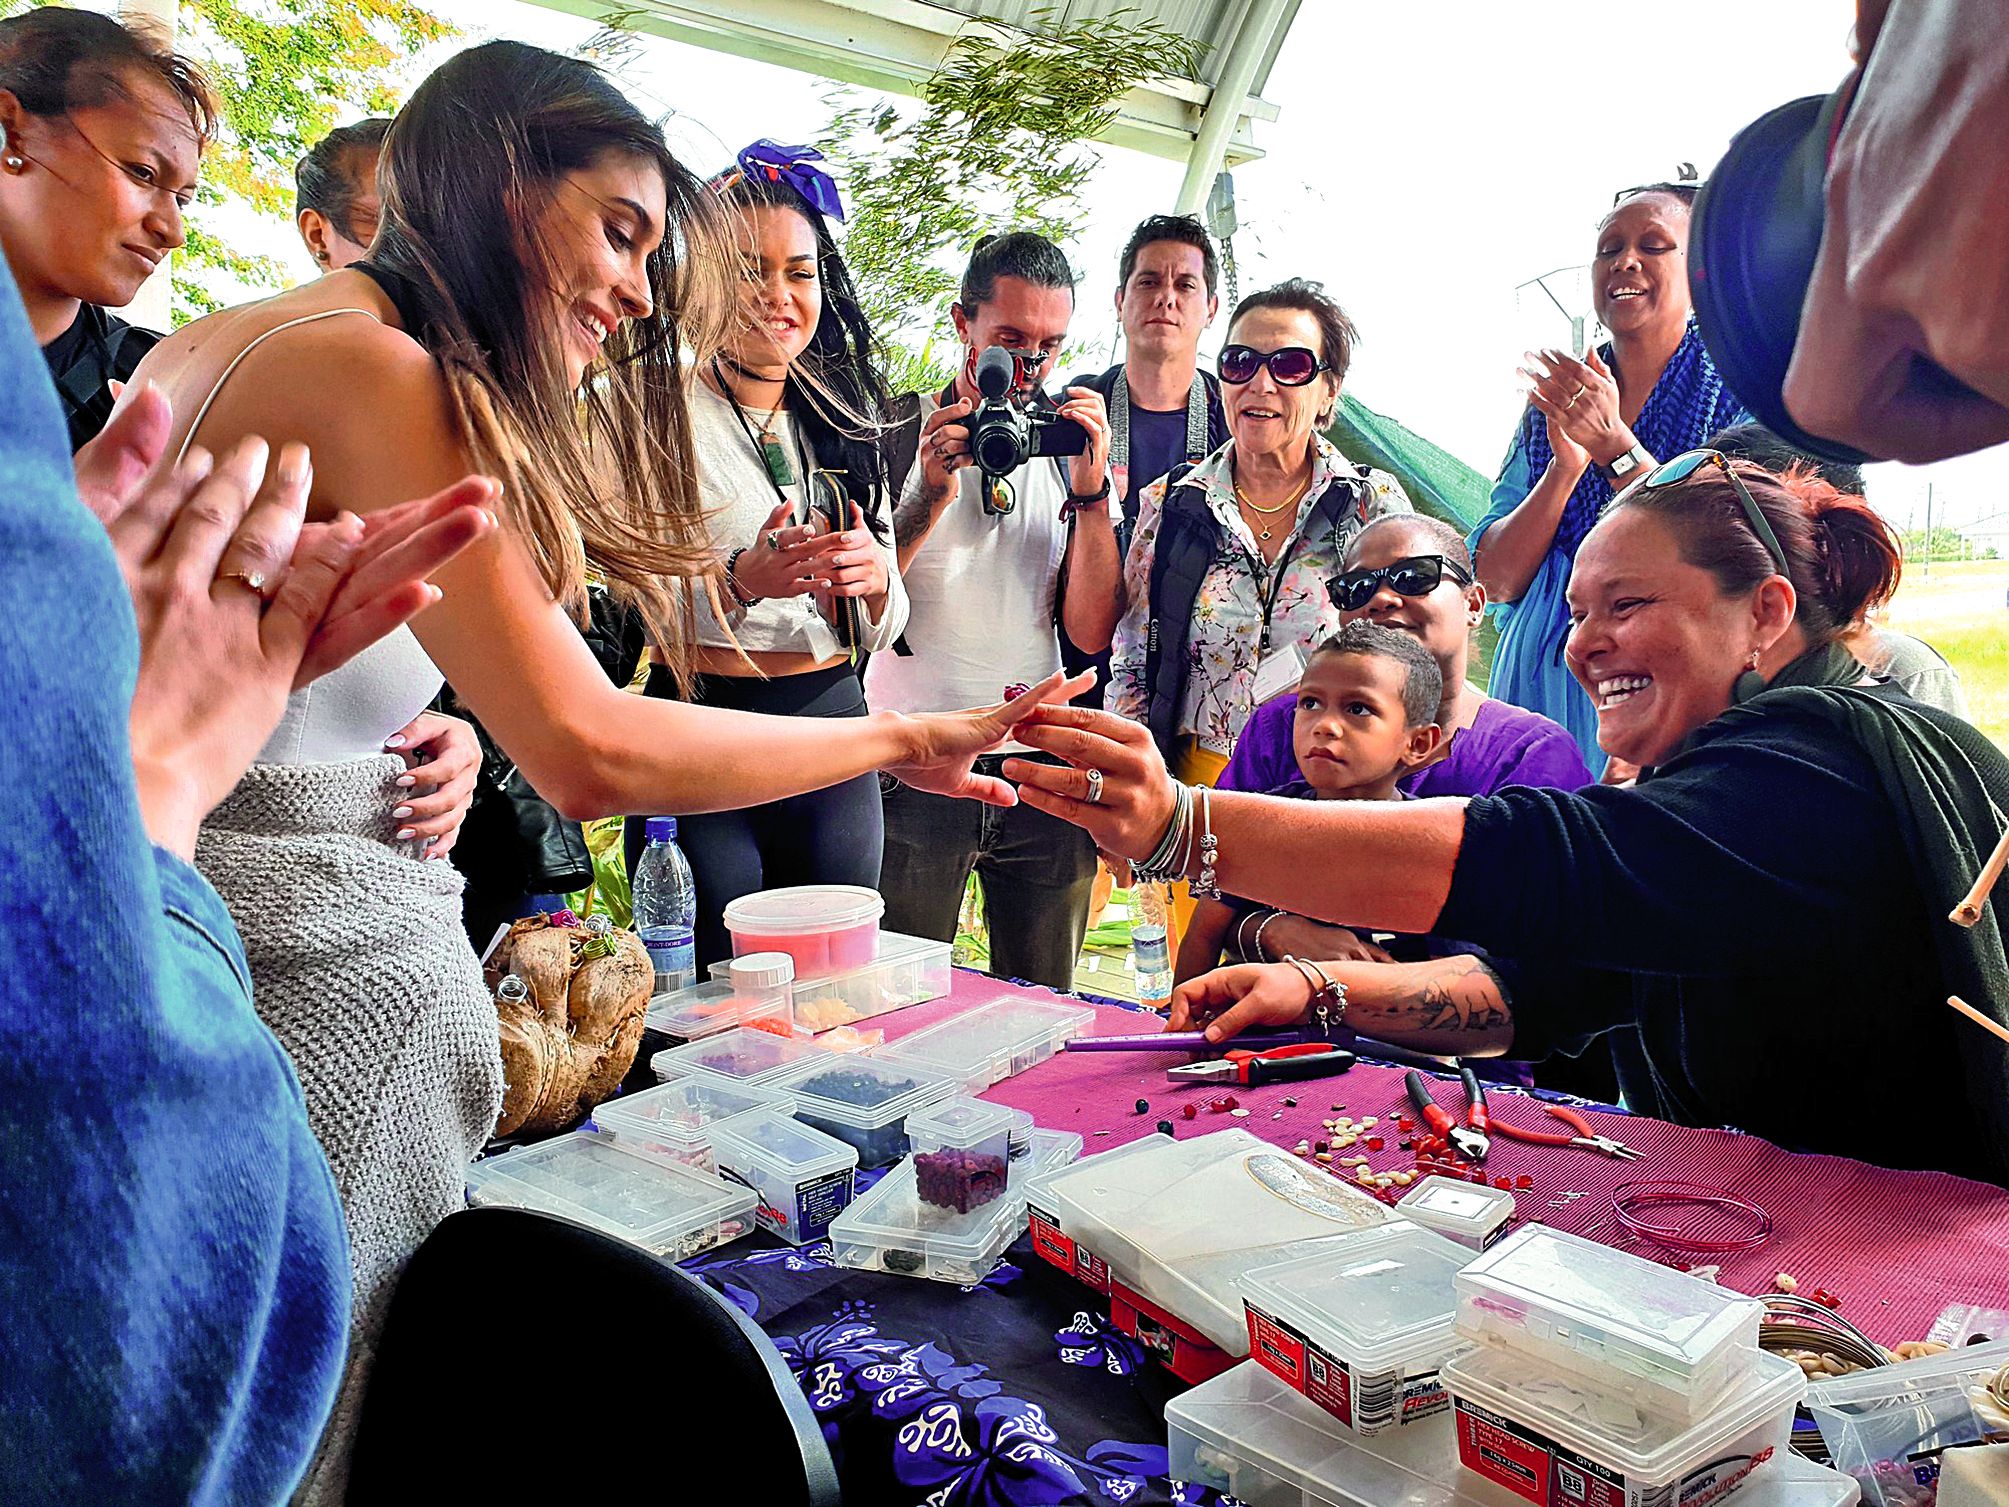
<point>250,346</point>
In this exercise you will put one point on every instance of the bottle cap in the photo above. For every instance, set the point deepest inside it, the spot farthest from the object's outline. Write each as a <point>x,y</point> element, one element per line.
<point>761,970</point>
<point>661,829</point>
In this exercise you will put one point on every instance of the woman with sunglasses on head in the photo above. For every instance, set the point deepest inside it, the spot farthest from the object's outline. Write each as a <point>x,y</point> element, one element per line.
<point>102,132</point>
<point>1224,582</point>
<point>1593,426</point>
<point>1774,890</point>
<point>784,420</point>
<point>542,265</point>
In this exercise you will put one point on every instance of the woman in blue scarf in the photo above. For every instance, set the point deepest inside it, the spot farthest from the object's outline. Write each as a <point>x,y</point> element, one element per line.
<point>1592,427</point>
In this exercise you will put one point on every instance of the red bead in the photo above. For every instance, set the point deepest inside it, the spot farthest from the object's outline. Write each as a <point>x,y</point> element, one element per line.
<point>1524,1181</point>
<point>1220,1104</point>
<point>1503,1182</point>
<point>1403,1122</point>
<point>1233,1102</point>
<point>1375,1143</point>
<point>1191,1110</point>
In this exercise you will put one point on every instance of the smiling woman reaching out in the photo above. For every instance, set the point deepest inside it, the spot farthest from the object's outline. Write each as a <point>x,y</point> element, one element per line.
<point>1774,890</point>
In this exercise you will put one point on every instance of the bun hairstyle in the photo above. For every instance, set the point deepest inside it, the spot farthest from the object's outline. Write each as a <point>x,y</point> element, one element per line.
<point>55,59</point>
<point>1844,561</point>
<point>330,179</point>
<point>596,478</point>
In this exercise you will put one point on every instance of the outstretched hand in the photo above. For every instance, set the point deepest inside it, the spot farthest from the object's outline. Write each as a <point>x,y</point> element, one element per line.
<point>950,742</point>
<point>1231,1000</point>
<point>1137,799</point>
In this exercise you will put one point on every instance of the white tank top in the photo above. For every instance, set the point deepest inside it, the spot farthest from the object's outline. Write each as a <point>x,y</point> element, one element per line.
<point>349,712</point>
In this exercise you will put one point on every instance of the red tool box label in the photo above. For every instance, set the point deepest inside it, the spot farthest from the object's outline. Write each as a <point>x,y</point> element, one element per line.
<point>1503,1451</point>
<point>1051,1245</point>
<point>1366,1403</point>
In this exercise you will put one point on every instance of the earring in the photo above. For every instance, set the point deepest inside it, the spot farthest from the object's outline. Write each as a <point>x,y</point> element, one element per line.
<point>1748,684</point>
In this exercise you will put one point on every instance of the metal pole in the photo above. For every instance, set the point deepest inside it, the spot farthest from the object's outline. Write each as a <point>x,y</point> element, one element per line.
<point>1928,528</point>
<point>1226,101</point>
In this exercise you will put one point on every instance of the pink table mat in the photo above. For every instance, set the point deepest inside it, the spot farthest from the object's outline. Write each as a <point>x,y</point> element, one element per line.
<point>1895,1247</point>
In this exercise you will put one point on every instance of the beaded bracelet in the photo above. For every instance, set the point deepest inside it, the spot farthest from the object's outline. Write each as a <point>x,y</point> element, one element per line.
<point>732,585</point>
<point>1206,886</point>
<point>1328,994</point>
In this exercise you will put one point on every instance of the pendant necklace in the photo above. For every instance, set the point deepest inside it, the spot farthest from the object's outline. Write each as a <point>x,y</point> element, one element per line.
<point>1291,502</point>
<point>773,455</point>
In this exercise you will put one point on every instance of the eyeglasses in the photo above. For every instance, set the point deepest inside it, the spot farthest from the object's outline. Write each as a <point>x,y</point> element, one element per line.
<point>1685,465</point>
<point>1291,365</point>
<point>1417,576</point>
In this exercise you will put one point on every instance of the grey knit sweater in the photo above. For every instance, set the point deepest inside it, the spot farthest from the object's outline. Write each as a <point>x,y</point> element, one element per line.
<point>360,967</point>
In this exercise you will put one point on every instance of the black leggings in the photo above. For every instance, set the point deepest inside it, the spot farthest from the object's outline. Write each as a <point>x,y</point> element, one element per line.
<point>831,836</point>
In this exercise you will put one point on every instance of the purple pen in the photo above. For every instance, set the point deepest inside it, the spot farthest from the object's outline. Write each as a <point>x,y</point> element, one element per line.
<point>1186,1041</point>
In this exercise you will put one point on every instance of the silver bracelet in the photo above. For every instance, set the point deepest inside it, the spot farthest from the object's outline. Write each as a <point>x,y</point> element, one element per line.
<point>1242,937</point>
<point>1205,885</point>
<point>1261,956</point>
<point>1168,859</point>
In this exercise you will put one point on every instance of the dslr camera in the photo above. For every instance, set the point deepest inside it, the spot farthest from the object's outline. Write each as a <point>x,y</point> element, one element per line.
<point>1005,433</point>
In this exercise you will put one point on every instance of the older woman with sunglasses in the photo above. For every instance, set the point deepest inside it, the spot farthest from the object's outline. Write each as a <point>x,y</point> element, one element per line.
<point>1224,583</point>
<point>1775,889</point>
<point>1411,572</point>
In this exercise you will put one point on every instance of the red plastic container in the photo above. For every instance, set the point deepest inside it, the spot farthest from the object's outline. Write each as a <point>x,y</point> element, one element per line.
<point>825,927</point>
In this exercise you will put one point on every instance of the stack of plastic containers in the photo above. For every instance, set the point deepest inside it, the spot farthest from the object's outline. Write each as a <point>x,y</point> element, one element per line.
<point>1471,1215</point>
<point>801,1177</point>
<point>661,1205</point>
<point>989,1043</point>
<point>1600,1377</point>
<point>745,1055</point>
<point>707,1009</point>
<point>826,928</point>
<point>861,1101</point>
<point>1361,1326</point>
<point>676,1119</point>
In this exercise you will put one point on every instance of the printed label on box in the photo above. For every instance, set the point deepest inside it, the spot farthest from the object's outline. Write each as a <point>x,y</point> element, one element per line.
<point>1502,1451</point>
<point>821,1200</point>
<point>1090,1268</point>
<point>1423,1396</point>
<point>1549,1474</point>
<point>1047,1240</point>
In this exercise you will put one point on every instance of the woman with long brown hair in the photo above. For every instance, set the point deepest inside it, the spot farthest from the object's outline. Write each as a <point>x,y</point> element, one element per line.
<point>542,266</point>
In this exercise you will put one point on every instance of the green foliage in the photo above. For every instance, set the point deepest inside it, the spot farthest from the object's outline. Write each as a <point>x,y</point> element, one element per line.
<point>1001,140</point>
<point>1943,544</point>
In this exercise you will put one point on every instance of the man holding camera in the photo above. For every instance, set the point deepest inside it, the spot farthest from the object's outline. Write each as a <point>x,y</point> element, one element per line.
<point>997,557</point>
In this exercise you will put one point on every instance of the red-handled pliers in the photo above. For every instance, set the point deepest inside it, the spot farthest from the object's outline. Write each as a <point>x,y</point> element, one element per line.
<point>1468,1140</point>
<point>1307,1059</point>
<point>1585,1138</point>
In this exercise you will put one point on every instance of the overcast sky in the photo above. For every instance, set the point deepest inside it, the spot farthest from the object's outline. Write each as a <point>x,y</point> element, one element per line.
<point>1427,159</point>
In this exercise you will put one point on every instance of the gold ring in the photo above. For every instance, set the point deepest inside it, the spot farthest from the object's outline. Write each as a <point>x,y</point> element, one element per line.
<point>254,580</point>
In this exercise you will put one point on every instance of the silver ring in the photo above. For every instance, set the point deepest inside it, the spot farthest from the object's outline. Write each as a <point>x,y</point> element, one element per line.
<point>1094,796</point>
<point>774,538</point>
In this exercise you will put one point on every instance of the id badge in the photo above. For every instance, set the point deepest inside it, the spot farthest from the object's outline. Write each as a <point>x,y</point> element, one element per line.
<point>1280,671</point>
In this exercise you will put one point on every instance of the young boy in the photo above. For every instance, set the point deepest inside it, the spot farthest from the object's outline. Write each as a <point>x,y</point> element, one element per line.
<point>1366,716</point>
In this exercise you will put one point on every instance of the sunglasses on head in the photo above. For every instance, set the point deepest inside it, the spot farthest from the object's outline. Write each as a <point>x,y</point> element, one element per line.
<point>1291,365</point>
<point>1685,465</point>
<point>1417,576</point>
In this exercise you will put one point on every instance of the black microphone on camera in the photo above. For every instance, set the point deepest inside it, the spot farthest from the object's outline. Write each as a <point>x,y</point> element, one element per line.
<point>997,373</point>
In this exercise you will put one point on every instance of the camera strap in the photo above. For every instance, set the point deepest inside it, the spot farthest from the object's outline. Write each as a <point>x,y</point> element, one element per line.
<point>1119,421</point>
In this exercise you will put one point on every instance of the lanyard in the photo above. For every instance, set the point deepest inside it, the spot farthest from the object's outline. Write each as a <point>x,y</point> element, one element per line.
<point>1119,421</point>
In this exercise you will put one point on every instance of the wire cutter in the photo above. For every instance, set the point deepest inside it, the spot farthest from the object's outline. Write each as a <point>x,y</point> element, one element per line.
<point>1468,1140</point>
<point>1307,1059</point>
<point>1585,1138</point>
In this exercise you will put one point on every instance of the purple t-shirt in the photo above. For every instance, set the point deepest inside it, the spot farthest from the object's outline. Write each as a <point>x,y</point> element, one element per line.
<point>1505,745</point>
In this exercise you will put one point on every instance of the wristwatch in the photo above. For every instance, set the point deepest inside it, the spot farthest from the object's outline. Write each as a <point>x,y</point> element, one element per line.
<point>1625,469</point>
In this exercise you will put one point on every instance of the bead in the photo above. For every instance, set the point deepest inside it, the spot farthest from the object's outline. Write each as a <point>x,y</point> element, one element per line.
<point>1190,1110</point>
<point>1503,1182</point>
<point>1403,1122</point>
<point>1786,1282</point>
<point>1524,1181</point>
<point>1404,1145</point>
<point>1290,1104</point>
<point>1375,1143</point>
<point>1143,1106</point>
<point>1324,1146</point>
<point>1165,1128</point>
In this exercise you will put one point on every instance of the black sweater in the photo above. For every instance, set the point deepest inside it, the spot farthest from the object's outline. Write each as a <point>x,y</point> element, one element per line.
<point>1751,910</point>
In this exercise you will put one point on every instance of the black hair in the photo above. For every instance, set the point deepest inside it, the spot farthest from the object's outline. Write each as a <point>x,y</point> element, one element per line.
<point>1184,229</point>
<point>55,59</point>
<point>1023,254</point>
<point>1756,443</point>
<point>328,178</point>
<point>840,360</point>
<point>1450,543</point>
<point>1422,685</point>
<point>1336,332</point>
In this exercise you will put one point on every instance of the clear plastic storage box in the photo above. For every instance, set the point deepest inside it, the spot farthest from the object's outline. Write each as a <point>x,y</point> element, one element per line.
<point>662,1206</point>
<point>742,1054</point>
<point>1552,1436</point>
<point>907,971</point>
<point>989,1043</point>
<point>892,1228</point>
<point>1362,1326</point>
<point>961,1151</point>
<point>1248,1436</point>
<point>707,1009</point>
<point>862,1101</point>
<point>825,927</point>
<point>1473,1216</point>
<point>802,1178</point>
<point>1886,1427</point>
<point>1671,1342</point>
<point>1180,1221</point>
<point>675,1119</point>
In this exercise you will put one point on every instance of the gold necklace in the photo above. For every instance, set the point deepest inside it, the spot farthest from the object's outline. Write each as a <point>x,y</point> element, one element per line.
<point>1243,499</point>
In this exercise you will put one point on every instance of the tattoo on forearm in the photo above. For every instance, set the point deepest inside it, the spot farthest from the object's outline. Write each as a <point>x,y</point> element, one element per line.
<point>1454,994</point>
<point>911,517</point>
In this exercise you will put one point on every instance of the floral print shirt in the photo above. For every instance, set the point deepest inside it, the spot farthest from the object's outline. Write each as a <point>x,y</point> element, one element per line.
<point>1223,643</point>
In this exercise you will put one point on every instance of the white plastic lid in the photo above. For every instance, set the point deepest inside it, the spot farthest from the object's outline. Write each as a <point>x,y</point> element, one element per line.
<point>804,909</point>
<point>684,1109</point>
<point>658,1204</point>
<point>1607,1308</point>
<point>1649,1448</point>
<point>762,970</point>
<point>743,1053</point>
<point>1375,1298</point>
<point>782,1145</point>
<point>961,1121</point>
<point>1450,1207</point>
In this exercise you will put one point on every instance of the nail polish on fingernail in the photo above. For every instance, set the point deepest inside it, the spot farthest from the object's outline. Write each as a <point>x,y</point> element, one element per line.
<point>396,741</point>
<point>401,813</point>
<point>406,781</point>
<point>406,834</point>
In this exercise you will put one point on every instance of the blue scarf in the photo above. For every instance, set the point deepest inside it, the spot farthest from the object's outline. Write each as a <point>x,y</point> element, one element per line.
<point>1687,405</point>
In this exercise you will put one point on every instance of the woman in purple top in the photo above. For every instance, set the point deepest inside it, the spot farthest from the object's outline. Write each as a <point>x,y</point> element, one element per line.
<point>1488,744</point>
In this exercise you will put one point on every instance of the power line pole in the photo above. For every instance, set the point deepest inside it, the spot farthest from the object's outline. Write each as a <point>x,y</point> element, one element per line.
<point>1928,529</point>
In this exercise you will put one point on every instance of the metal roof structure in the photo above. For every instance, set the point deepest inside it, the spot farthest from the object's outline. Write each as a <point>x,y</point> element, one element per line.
<point>897,45</point>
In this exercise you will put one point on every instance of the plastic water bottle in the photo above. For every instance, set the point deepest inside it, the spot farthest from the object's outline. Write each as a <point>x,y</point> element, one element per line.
<point>1151,944</point>
<point>666,906</point>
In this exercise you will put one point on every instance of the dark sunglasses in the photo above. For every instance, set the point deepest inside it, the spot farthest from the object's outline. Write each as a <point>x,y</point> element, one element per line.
<point>1417,576</point>
<point>1685,465</point>
<point>1291,365</point>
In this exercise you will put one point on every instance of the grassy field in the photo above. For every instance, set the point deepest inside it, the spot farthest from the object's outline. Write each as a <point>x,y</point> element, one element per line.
<point>1962,611</point>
